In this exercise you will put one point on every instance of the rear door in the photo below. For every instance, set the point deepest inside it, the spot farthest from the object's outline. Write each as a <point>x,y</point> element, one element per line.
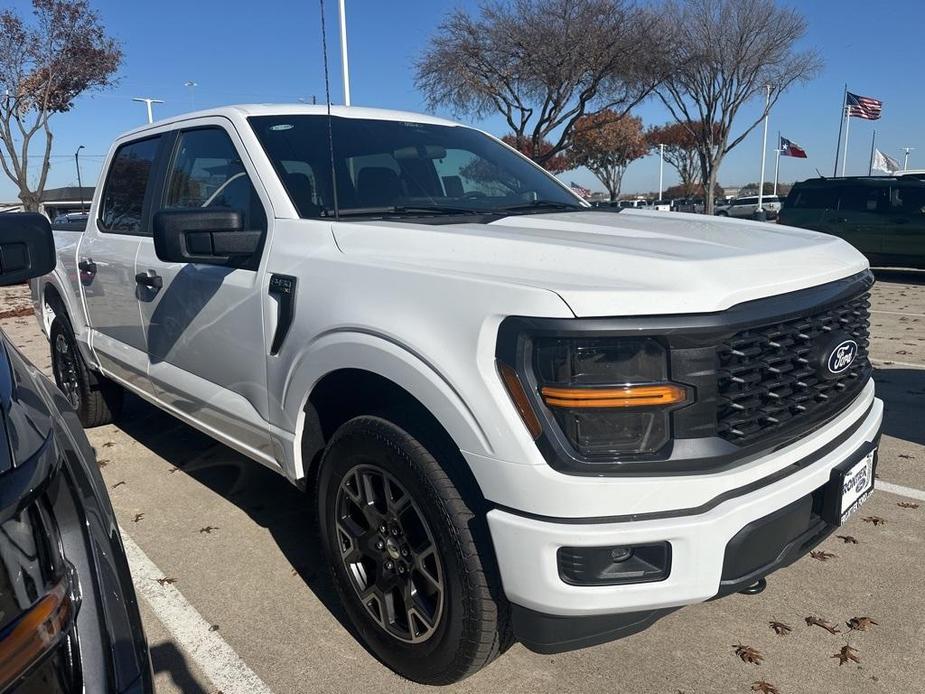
<point>106,261</point>
<point>904,236</point>
<point>204,326</point>
<point>861,216</point>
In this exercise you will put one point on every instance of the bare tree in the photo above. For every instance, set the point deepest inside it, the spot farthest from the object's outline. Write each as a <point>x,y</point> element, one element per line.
<point>725,53</point>
<point>44,66</point>
<point>542,64</point>
<point>606,143</point>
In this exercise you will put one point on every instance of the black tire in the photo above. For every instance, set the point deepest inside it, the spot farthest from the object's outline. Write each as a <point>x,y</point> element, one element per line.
<point>471,628</point>
<point>722,214</point>
<point>95,398</point>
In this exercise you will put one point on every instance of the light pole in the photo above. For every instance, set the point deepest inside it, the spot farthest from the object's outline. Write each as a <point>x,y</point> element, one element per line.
<point>764,152</point>
<point>906,151</point>
<point>148,102</point>
<point>192,93</point>
<point>343,52</point>
<point>661,169</point>
<point>80,185</point>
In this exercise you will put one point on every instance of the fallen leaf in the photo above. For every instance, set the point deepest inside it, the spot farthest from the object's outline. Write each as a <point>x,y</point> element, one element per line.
<point>848,539</point>
<point>165,581</point>
<point>822,555</point>
<point>764,687</point>
<point>861,623</point>
<point>780,628</point>
<point>905,456</point>
<point>208,529</point>
<point>815,621</point>
<point>102,462</point>
<point>748,654</point>
<point>138,517</point>
<point>845,654</point>
<point>109,444</point>
<point>118,484</point>
<point>876,520</point>
<point>172,470</point>
<point>214,627</point>
<point>906,504</point>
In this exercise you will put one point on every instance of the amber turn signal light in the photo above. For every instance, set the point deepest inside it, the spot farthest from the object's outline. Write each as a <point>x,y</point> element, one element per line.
<point>626,396</point>
<point>36,632</point>
<point>516,390</point>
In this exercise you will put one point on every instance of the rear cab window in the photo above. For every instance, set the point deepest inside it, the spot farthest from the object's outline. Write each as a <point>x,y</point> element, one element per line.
<point>127,187</point>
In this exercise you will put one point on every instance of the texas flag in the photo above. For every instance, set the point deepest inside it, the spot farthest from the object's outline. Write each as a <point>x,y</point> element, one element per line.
<point>791,149</point>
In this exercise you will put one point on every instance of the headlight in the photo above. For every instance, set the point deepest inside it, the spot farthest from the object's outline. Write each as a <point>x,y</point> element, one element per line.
<point>609,398</point>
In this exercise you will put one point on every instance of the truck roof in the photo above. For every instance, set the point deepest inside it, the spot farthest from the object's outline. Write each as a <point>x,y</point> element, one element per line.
<point>239,111</point>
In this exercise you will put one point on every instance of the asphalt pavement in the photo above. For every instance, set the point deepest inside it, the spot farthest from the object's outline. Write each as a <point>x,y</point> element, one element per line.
<point>235,595</point>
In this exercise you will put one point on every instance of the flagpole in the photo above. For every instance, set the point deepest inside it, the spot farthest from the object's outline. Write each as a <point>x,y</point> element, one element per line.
<point>844,160</point>
<point>841,124</point>
<point>870,166</point>
<point>764,150</point>
<point>777,163</point>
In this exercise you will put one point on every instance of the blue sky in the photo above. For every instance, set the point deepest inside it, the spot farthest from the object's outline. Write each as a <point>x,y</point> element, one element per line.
<point>241,51</point>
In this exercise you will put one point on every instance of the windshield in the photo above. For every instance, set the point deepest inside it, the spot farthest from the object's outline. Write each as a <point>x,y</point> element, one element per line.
<point>398,167</point>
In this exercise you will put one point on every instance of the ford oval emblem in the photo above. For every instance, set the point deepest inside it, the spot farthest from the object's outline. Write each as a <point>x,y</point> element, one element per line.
<point>842,356</point>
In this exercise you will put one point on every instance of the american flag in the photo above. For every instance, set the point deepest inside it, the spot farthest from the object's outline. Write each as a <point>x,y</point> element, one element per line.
<point>579,190</point>
<point>863,106</point>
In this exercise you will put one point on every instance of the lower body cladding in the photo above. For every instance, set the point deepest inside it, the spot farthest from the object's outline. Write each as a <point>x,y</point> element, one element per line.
<point>683,558</point>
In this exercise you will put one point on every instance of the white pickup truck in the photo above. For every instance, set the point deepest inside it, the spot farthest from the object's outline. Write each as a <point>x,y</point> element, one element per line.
<point>518,416</point>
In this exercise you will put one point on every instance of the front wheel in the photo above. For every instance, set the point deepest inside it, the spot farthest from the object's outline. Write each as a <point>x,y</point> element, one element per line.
<point>410,559</point>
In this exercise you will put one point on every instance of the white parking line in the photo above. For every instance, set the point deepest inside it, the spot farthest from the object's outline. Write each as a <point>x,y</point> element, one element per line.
<point>211,653</point>
<point>900,490</point>
<point>890,362</point>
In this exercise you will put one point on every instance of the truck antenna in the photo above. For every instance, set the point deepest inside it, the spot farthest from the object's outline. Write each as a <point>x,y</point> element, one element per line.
<point>327,98</point>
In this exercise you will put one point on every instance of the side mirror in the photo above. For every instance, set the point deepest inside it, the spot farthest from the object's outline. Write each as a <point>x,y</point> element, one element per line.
<point>27,247</point>
<point>212,236</point>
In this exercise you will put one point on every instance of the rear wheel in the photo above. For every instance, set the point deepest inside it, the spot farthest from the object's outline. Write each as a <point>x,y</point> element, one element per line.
<point>95,398</point>
<point>409,556</point>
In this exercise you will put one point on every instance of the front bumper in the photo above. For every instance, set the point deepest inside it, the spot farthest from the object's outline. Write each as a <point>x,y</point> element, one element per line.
<point>526,547</point>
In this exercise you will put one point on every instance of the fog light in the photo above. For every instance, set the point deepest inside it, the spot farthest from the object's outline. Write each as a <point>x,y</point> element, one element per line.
<point>614,565</point>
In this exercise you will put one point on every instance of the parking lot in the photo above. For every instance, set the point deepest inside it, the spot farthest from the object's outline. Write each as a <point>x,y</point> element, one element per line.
<point>236,597</point>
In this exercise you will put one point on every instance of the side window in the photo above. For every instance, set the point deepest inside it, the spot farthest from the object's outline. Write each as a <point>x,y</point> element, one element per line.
<point>864,199</point>
<point>814,198</point>
<point>908,200</point>
<point>126,186</point>
<point>206,171</point>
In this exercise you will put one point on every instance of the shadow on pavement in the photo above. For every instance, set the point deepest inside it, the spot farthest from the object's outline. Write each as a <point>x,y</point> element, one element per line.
<point>166,657</point>
<point>269,499</point>
<point>903,395</point>
<point>900,276</point>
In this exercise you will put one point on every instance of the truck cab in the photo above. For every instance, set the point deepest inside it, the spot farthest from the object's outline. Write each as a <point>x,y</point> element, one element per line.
<point>517,417</point>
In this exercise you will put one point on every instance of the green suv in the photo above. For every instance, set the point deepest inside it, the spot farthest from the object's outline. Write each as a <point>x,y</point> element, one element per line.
<point>881,216</point>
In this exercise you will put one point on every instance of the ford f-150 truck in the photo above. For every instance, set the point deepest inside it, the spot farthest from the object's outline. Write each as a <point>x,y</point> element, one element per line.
<point>518,416</point>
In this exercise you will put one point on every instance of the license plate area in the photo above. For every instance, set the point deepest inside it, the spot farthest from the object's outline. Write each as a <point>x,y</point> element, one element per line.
<point>849,485</point>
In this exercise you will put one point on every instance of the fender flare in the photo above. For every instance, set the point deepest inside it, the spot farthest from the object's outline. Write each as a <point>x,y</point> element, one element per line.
<point>380,354</point>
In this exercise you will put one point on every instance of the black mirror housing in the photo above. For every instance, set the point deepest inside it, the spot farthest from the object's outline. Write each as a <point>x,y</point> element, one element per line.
<point>211,236</point>
<point>27,247</point>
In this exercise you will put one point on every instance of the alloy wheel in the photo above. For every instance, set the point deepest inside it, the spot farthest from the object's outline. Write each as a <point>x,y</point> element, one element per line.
<point>389,554</point>
<point>67,371</point>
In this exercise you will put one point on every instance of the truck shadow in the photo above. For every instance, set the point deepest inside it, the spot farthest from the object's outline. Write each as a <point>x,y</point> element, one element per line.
<point>270,500</point>
<point>899,276</point>
<point>903,393</point>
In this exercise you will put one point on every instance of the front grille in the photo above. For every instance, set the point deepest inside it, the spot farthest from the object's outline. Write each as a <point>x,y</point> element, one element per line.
<point>767,378</point>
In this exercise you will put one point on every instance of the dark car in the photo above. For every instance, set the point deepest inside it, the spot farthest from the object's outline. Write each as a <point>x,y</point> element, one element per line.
<point>69,619</point>
<point>881,216</point>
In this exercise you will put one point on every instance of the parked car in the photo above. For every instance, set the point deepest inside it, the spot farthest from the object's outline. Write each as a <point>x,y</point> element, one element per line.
<point>73,221</point>
<point>747,206</point>
<point>69,620</point>
<point>518,415</point>
<point>881,216</point>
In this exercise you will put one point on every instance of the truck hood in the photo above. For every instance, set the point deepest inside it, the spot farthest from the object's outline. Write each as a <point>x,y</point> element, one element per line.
<point>634,262</point>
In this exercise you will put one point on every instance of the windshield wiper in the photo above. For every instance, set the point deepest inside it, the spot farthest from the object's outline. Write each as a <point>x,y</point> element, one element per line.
<point>410,209</point>
<point>540,205</point>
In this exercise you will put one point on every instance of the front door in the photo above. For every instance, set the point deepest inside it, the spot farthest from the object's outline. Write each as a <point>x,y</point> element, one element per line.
<point>861,217</point>
<point>106,262</point>
<point>204,325</point>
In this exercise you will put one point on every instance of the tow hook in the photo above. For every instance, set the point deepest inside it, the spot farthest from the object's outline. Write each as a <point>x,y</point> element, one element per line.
<point>755,588</point>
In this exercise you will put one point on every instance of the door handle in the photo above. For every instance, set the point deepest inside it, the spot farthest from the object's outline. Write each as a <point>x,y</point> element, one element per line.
<point>154,281</point>
<point>87,266</point>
